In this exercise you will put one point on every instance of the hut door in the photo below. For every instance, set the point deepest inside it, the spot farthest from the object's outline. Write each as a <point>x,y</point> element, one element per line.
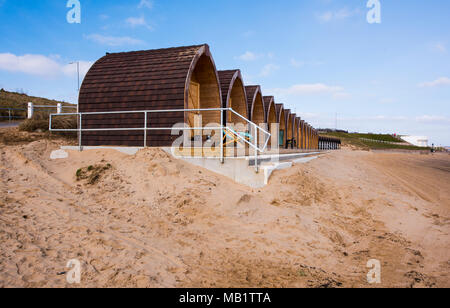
<point>194,103</point>
<point>281,138</point>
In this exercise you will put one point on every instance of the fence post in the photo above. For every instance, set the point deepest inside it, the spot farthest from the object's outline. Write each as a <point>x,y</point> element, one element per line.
<point>59,108</point>
<point>79,133</point>
<point>256,149</point>
<point>30,110</point>
<point>9,115</point>
<point>145,130</point>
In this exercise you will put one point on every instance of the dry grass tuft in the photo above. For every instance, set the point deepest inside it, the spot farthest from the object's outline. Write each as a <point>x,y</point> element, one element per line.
<point>40,123</point>
<point>92,174</point>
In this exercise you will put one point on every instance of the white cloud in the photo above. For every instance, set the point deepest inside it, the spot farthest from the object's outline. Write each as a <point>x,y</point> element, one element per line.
<point>40,65</point>
<point>248,33</point>
<point>342,95</point>
<point>148,4</point>
<point>113,40</point>
<point>439,47</point>
<point>336,15</point>
<point>252,56</point>
<point>138,22</point>
<point>29,64</point>
<point>432,119</point>
<point>268,70</point>
<point>296,63</point>
<point>249,56</point>
<point>316,88</point>
<point>387,100</point>
<point>300,64</point>
<point>443,81</point>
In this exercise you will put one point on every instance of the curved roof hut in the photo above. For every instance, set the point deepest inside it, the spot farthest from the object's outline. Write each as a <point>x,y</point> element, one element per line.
<point>282,121</point>
<point>271,116</point>
<point>287,114</point>
<point>233,95</point>
<point>308,136</point>
<point>303,134</point>
<point>292,118</point>
<point>271,113</point>
<point>162,79</point>
<point>255,104</point>
<point>297,132</point>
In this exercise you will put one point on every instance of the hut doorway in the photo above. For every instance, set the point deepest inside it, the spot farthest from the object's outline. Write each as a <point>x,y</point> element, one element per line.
<point>282,124</point>
<point>204,93</point>
<point>281,143</point>
<point>194,118</point>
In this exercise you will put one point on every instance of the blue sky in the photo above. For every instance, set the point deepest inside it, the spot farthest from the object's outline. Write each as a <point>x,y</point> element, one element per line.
<point>319,57</point>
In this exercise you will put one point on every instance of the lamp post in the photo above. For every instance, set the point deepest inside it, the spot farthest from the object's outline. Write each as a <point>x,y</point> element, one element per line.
<point>78,75</point>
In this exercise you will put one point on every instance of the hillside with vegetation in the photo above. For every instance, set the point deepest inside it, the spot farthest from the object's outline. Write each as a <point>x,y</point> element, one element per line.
<point>19,101</point>
<point>372,141</point>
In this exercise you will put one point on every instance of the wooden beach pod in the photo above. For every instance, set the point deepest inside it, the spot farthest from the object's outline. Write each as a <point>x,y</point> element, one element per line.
<point>282,121</point>
<point>308,136</point>
<point>271,113</point>
<point>256,110</point>
<point>233,95</point>
<point>287,115</point>
<point>271,116</point>
<point>293,118</point>
<point>162,79</point>
<point>303,128</point>
<point>298,132</point>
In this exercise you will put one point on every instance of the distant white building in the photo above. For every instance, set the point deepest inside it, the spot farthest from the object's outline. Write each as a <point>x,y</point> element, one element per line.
<point>418,141</point>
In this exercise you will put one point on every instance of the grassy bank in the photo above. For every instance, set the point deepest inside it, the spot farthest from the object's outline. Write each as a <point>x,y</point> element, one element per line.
<point>20,101</point>
<point>354,140</point>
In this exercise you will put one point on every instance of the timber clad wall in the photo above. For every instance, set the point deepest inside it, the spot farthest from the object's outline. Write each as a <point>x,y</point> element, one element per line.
<point>168,79</point>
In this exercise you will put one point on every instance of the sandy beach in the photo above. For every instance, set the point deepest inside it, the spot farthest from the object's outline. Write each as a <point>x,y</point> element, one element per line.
<point>152,221</point>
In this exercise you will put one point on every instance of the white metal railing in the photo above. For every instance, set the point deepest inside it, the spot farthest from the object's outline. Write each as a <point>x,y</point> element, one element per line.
<point>253,128</point>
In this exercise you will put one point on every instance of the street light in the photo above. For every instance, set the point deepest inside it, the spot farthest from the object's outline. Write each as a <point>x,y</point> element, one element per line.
<point>78,74</point>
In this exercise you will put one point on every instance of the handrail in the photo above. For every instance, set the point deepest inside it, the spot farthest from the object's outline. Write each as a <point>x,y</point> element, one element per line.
<point>145,129</point>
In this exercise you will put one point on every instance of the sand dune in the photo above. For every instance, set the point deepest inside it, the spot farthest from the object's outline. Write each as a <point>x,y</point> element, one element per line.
<point>153,221</point>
